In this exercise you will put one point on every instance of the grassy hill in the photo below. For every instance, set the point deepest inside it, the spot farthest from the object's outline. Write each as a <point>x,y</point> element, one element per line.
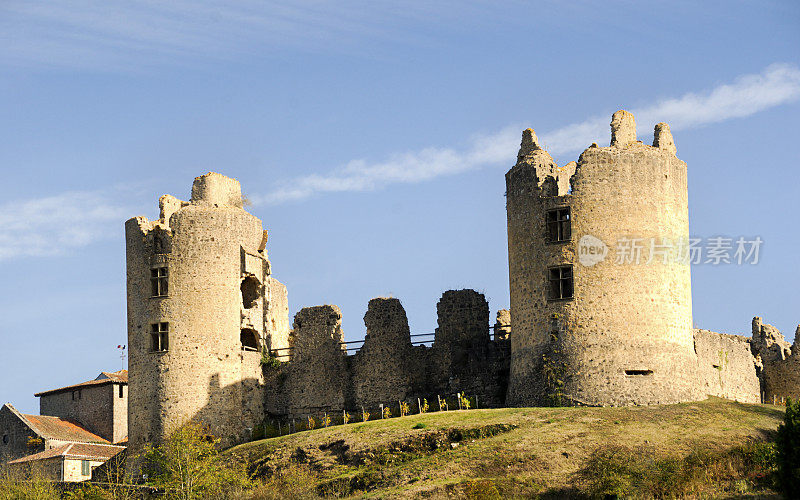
<point>712,448</point>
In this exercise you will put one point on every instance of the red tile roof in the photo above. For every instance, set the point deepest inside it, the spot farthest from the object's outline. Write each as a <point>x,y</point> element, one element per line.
<point>120,377</point>
<point>84,451</point>
<point>60,429</point>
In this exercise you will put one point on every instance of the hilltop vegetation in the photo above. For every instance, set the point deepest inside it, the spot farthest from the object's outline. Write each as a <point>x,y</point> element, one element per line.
<point>712,448</point>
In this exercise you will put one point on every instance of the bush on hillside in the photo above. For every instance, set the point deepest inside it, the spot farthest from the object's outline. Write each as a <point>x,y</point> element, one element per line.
<point>789,450</point>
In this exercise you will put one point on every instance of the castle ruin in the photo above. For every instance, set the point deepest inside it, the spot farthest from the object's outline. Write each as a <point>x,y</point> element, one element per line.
<point>210,338</point>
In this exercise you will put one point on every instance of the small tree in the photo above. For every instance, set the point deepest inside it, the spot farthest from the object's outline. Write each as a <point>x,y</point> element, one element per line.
<point>189,466</point>
<point>788,442</point>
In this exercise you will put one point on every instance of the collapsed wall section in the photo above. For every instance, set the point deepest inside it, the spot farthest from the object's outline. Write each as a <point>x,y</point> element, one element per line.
<point>317,377</point>
<point>726,366</point>
<point>385,369</point>
<point>463,358</point>
<point>388,368</point>
<point>778,361</point>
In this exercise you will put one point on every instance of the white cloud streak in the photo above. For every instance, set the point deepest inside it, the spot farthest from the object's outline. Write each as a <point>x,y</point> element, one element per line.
<point>777,84</point>
<point>57,224</point>
<point>127,36</point>
<point>68,221</point>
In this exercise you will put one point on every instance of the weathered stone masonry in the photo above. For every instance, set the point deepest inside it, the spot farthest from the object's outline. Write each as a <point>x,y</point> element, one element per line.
<point>195,337</point>
<point>624,333</point>
<point>203,306</point>
<point>322,378</point>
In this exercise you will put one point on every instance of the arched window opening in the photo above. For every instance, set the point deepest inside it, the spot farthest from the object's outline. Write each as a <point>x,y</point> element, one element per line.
<point>249,338</point>
<point>251,291</point>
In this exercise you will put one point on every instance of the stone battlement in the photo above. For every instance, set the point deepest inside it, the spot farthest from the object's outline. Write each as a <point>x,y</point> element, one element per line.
<point>537,171</point>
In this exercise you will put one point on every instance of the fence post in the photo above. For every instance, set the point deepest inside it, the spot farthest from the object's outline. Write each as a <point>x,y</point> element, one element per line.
<point>381,411</point>
<point>439,400</point>
<point>458,395</point>
<point>476,401</point>
<point>325,418</point>
<point>419,404</point>
<point>279,428</point>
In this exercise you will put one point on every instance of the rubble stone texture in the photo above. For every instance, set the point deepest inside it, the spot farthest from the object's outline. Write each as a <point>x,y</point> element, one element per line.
<point>210,247</point>
<point>778,361</point>
<point>317,377</point>
<point>727,366</point>
<point>626,335</point>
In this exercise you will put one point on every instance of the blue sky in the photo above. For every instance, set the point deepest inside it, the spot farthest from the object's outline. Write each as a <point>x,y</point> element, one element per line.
<point>373,138</point>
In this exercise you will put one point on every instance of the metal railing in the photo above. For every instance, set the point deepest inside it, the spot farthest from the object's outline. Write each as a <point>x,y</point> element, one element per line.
<point>286,352</point>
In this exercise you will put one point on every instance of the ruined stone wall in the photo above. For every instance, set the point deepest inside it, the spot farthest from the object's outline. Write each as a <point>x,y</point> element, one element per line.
<point>387,368</point>
<point>463,358</point>
<point>317,377</point>
<point>625,337</point>
<point>727,366</point>
<point>277,314</point>
<point>778,361</point>
<point>92,407</point>
<point>217,280</point>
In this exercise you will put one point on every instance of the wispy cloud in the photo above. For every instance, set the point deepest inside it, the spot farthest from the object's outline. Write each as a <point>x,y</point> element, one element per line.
<point>56,224</point>
<point>68,221</point>
<point>778,84</point>
<point>119,36</point>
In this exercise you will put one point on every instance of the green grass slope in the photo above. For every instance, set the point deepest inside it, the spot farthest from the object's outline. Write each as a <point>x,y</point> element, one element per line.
<point>710,449</point>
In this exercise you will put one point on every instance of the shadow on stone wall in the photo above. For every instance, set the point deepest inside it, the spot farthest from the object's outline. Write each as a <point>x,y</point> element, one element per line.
<point>388,368</point>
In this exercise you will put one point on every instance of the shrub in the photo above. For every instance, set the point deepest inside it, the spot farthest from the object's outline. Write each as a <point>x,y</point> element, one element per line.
<point>268,361</point>
<point>387,412</point>
<point>189,466</point>
<point>31,485</point>
<point>788,444</point>
<point>424,407</point>
<point>286,483</point>
<point>404,409</point>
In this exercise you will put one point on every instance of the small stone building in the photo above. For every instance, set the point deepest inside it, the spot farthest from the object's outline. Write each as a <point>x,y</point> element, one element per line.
<point>22,435</point>
<point>73,462</point>
<point>80,427</point>
<point>99,406</point>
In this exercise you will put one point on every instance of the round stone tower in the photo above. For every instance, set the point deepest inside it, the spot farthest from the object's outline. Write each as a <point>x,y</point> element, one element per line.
<point>201,305</point>
<point>600,287</point>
